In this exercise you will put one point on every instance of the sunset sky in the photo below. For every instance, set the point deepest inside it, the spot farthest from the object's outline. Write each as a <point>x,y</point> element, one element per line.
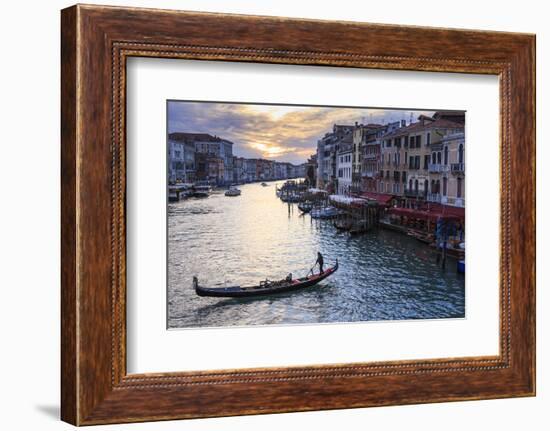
<point>282,133</point>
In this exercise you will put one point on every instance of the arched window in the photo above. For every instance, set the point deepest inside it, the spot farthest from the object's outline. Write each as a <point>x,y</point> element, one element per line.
<point>432,188</point>
<point>433,158</point>
<point>444,186</point>
<point>416,185</point>
<point>461,153</point>
<point>425,187</point>
<point>446,156</point>
<point>438,187</point>
<point>459,187</point>
<point>439,157</point>
<point>410,184</point>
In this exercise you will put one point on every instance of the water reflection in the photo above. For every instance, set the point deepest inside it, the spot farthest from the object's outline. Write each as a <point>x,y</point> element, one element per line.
<point>241,240</point>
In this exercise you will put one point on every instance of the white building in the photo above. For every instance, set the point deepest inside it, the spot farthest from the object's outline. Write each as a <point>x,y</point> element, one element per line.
<point>181,158</point>
<point>344,166</point>
<point>176,160</point>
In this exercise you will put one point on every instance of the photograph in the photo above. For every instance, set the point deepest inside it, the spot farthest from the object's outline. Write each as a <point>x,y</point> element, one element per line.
<point>300,214</point>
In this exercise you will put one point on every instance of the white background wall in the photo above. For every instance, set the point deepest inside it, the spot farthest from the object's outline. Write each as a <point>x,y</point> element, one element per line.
<point>29,215</point>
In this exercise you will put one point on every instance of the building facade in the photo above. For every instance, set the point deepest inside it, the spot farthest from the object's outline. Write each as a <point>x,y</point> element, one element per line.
<point>344,167</point>
<point>181,158</point>
<point>406,166</point>
<point>447,169</point>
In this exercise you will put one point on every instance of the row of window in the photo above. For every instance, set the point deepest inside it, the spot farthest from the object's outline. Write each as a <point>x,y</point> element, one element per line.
<point>413,186</point>
<point>407,141</point>
<point>344,173</point>
<point>345,159</point>
<point>436,156</point>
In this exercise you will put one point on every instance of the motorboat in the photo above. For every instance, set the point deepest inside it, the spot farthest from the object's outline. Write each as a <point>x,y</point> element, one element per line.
<point>233,191</point>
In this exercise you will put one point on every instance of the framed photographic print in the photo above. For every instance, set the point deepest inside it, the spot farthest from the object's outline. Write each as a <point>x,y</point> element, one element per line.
<point>266,215</point>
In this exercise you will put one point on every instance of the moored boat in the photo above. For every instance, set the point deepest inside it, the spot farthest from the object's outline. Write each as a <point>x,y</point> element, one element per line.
<point>179,191</point>
<point>323,213</point>
<point>202,191</point>
<point>305,207</point>
<point>343,224</point>
<point>267,287</point>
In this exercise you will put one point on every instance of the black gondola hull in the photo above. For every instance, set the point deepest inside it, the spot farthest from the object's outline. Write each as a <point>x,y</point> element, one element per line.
<point>242,292</point>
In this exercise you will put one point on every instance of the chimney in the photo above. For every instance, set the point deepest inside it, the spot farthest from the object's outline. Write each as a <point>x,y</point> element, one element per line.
<point>403,123</point>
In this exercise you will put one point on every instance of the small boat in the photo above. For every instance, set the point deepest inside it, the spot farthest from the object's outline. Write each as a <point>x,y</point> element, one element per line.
<point>265,184</point>
<point>233,191</point>
<point>426,238</point>
<point>173,196</point>
<point>343,224</point>
<point>267,287</point>
<point>324,213</point>
<point>305,207</point>
<point>202,191</point>
<point>176,192</point>
<point>358,228</point>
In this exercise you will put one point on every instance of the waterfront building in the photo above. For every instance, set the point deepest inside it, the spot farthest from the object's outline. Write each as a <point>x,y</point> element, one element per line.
<point>181,158</point>
<point>176,161</point>
<point>406,155</point>
<point>364,138</point>
<point>311,170</point>
<point>250,170</point>
<point>447,170</point>
<point>239,169</point>
<point>394,159</point>
<point>344,164</point>
<point>322,172</point>
<point>327,159</point>
<point>219,148</point>
<point>280,171</point>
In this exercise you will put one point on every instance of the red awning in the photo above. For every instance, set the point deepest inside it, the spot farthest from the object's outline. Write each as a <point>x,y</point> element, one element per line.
<point>431,212</point>
<point>381,198</point>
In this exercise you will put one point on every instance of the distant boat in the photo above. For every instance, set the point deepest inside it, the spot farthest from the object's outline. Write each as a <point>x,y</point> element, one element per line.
<point>266,287</point>
<point>265,184</point>
<point>233,191</point>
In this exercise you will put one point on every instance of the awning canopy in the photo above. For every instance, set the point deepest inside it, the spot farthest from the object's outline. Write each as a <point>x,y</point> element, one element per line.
<point>382,198</point>
<point>431,212</point>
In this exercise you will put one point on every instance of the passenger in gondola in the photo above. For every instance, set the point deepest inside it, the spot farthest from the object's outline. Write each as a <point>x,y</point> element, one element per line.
<point>320,262</point>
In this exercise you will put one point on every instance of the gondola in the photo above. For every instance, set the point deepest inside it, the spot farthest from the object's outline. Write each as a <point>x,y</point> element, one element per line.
<point>265,287</point>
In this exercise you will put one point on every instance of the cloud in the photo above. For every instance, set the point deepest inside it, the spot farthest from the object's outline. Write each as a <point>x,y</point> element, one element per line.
<point>284,133</point>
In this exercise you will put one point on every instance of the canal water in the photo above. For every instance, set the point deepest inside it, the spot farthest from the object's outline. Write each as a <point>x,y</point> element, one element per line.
<point>241,240</point>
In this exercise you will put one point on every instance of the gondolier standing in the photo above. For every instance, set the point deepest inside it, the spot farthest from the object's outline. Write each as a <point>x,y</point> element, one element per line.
<point>320,262</point>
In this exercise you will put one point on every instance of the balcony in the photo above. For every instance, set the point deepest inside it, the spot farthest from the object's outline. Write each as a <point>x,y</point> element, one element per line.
<point>437,167</point>
<point>369,174</point>
<point>434,197</point>
<point>371,156</point>
<point>456,202</point>
<point>412,193</point>
<point>457,168</point>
